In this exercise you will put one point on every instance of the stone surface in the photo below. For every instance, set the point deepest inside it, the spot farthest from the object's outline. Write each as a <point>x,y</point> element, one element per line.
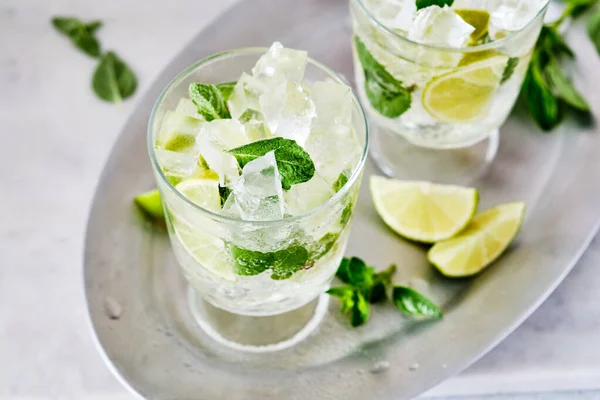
<point>56,137</point>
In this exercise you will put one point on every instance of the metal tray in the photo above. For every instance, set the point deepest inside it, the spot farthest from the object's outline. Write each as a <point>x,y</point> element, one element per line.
<point>136,297</point>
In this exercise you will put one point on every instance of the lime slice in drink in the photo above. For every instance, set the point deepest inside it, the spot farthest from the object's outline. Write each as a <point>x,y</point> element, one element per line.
<point>423,211</point>
<point>485,238</point>
<point>207,250</point>
<point>463,95</point>
<point>478,19</point>
<point>202,192</point>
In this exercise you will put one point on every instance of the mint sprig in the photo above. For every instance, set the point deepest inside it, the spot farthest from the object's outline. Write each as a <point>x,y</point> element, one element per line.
<point>210,101</point>
<point>547,91</point>
<point>82,34</point>
<point>427,3</point>
<point>284,263</point>
<point>293,162</point>
<point>364,286</point>
<point>387,96</point>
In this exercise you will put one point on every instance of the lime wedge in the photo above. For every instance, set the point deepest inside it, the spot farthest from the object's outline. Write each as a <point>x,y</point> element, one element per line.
<point>463,95</point>
<point>423,211</point>
<point>478,19</point>
<point>150,203</point>
<point>202,192</point>
<point>487,236</point>
<point>207,250</point>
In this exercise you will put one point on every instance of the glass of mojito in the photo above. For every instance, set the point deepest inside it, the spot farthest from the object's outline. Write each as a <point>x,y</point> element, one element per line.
<point>258,155</point>
<point>438,78</point>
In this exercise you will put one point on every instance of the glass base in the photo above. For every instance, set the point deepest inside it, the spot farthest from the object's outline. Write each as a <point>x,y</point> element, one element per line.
<point>398,158</point>
<point>257,334</point>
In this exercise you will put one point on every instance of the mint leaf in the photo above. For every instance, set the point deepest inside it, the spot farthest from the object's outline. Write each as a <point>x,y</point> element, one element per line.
<point>563,88</point>
<point>324,245</point>
<point>353,303</point>
<point>427,3</point>
<point>80,33</point>
<point>86,43</point>
<point>283,262</point>
<point>381,282</point>
<point>346,296</point>
<point>593,28</point>
<point>113,81</point>
<point>67,25</point>
<point>540,102</point>
<point>340,182</point>
<point>411,302</point>
<point>93,26</point>
<point>224,193</point>
<point>151,204</point>
<point>294,164</point>
<point>511,64</point>
<point>354,271</point>
<point>386,94</point>
<point>209,100</point>
<point>226,89</point>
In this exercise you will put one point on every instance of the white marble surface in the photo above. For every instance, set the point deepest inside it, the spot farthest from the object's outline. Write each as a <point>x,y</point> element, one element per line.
<point>55,138</point>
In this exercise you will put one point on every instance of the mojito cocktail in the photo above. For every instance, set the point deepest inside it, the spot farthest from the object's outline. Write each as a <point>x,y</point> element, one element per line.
<point>258,156</point>
<point>441,74</point>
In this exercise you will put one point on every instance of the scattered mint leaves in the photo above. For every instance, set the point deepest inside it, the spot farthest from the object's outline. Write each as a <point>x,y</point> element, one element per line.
<point>593,28</point>
<point>364,286</point>
<point>511,64</point>
<point>80,33</point>
<point>113,81</point>
<point>209,100</point>
<point>284,263</point>
<point>563,88</point>
<point>386,94</point>
<point>540,101</point>
<point>224,193</point>
<point>411,302</point>
<point>226,89</point>
<point>427,3</point>
<point>294,164</point>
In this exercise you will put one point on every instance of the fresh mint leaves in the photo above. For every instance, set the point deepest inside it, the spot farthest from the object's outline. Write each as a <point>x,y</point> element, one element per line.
<point>284,263</point>
<point>113,80</point>
<point>209,100</point>
<point>294,164</point>
<point>411,302</point>
<point>563,88</point>
<point>427,3</point>
<point>386,94</point>
<point>593,28</point>
<point>80,33</point>
<point>364,286</point>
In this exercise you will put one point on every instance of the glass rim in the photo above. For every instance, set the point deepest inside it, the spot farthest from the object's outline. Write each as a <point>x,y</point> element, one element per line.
<point>356,172</point>
<point>468,49</point>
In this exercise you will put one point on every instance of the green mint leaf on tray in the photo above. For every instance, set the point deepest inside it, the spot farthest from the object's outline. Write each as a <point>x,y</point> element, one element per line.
<point>80,33</point>
<point>283,262</point>
<point>412,302</point>
<point>294,164</point>
<point>224,193</point>
<point>87,43</point>
<point>346,296</point>
<point>113,80</point>
<point>209,100</point>
<point>563,88</point>
<point>226,89</point>
<point>427,3</point>
<point>386,94</point>
<point>353,303</point>
<point>593,28</point>
<point>511,64</point>
<point>67,25</point>
<point>355,272</point>
<point>150,203</point>
<point>381,282</point>
<point>540,102</point>
<point>93,26</point>
<point>340,182</point>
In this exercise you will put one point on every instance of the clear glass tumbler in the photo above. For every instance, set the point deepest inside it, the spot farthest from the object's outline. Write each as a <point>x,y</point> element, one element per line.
<point>212,248</point>
<point>435,111</point>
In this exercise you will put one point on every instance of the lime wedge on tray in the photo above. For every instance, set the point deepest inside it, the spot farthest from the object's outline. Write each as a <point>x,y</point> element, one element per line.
<point>483,241</point>
<point>423,211</point>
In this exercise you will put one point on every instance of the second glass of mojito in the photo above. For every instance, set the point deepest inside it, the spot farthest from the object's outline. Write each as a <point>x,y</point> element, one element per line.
<point>438,78</point>
<point>258,156</point>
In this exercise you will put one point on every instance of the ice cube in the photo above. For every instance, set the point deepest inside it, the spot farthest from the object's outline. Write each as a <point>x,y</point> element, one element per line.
<point>394,14</point>
<point>487,5</point>
<point>258,193</point>
<point>333,104</point>
<point>288,111</point>
<point>280,64</point>
<point>305,196</point>
<point>176,164</point>
<point>244,96</point>
<point>333,153</point>
<point>514,15</point>
<point>230,207</point>
<point>214,139</point>
<point>187,107</point>
<point>440,26</point>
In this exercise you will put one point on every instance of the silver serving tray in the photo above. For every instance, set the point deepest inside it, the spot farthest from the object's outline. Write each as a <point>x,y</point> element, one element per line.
<point>136,296</point>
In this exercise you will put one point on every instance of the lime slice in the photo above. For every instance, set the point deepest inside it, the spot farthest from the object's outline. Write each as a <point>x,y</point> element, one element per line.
<point>487,236</point>
<point>151,204</point>
<point>463,95</point>
<point>423,211</point>
<point>478,19</point>
<point>202,192</point>
<point>207,250</point>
